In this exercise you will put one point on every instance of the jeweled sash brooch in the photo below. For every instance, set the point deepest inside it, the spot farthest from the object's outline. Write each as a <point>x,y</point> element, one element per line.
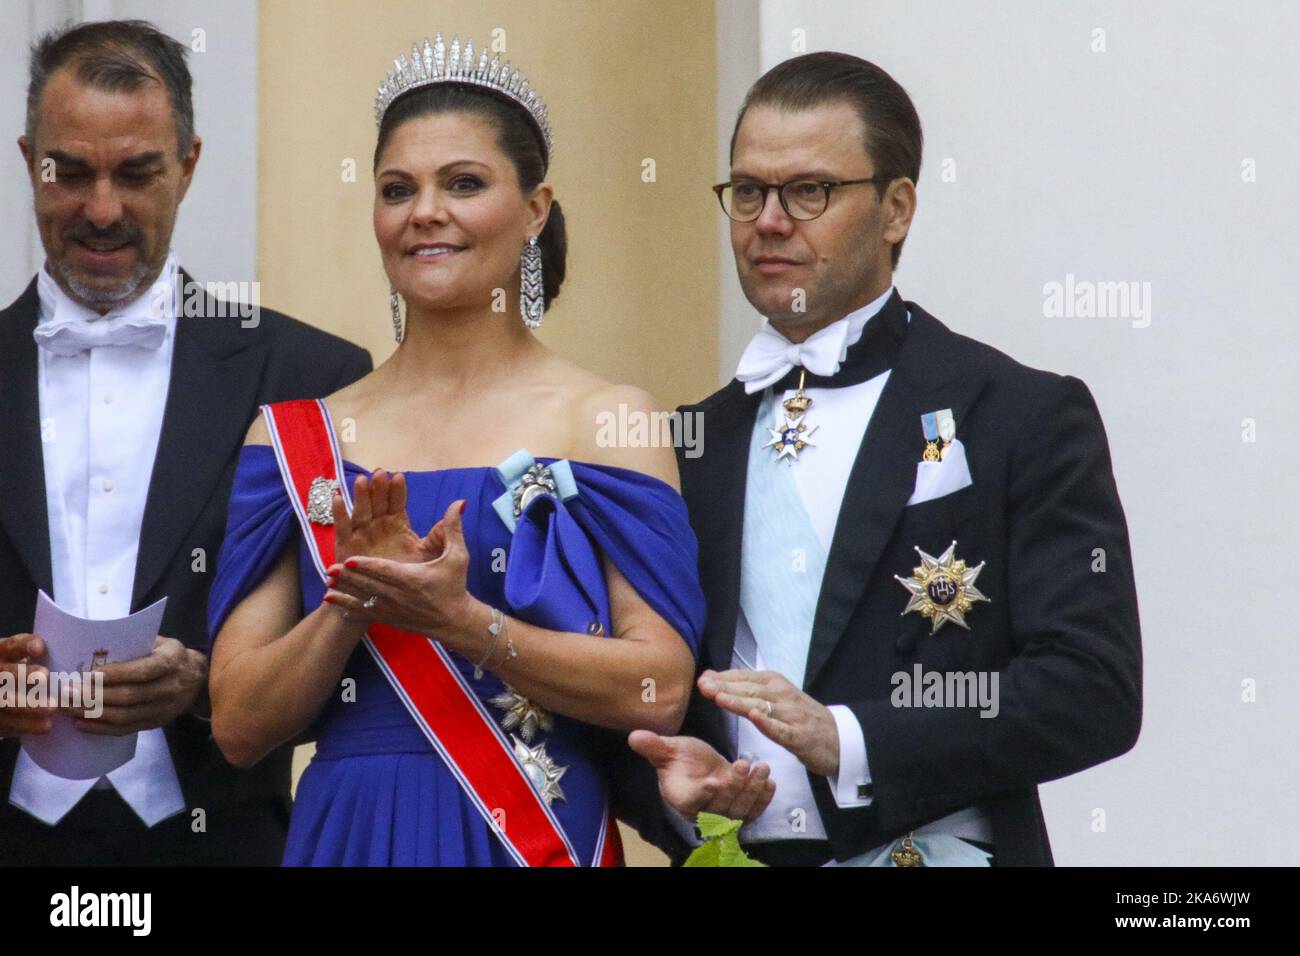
<point>320,500</point>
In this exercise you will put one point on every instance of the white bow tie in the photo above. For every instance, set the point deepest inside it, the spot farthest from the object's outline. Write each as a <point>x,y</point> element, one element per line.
<point>770,355</point>
<point>75,335</point>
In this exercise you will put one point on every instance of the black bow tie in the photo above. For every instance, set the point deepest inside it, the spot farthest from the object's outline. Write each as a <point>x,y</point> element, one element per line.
<point>873,353</point>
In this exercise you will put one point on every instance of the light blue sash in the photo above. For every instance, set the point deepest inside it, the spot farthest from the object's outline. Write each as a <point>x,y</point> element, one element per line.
<point>781,558</point>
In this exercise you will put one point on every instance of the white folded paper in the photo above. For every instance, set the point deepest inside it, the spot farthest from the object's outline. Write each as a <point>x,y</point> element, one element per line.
<point>78,645</point>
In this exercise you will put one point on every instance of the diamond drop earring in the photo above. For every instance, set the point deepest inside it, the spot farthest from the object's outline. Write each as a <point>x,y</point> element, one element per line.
<point>397,314</point>
<point>531,302</point>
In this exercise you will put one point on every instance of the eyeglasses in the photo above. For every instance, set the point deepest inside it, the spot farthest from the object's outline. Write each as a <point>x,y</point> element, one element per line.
<point>802,199</point>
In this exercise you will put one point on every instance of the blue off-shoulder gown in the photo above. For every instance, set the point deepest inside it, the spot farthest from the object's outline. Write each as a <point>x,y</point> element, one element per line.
<point>376,793</point>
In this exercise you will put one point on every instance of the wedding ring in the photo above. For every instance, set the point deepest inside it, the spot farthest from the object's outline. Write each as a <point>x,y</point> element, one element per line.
<point>370,602</point>
<point>769,709</point>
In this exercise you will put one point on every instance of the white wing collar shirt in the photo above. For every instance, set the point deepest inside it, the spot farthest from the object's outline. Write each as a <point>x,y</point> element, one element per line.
<point>103,383</point>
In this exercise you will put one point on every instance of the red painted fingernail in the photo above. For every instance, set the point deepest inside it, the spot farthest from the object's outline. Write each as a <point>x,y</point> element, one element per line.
<point>330,582</point>
<point>329,599</point>
<point>462,506</point>
<point>350,563</point>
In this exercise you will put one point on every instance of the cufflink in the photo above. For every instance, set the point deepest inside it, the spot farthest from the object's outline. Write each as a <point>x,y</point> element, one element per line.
<point>865,790</point>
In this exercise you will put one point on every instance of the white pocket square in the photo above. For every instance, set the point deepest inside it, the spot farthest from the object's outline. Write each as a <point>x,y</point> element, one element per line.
<point>934,479</point>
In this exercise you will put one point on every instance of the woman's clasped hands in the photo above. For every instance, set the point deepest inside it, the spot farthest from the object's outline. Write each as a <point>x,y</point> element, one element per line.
<point>384,572</point>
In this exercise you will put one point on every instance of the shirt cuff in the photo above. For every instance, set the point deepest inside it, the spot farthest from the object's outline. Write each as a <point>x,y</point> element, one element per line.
<point>852,786</point>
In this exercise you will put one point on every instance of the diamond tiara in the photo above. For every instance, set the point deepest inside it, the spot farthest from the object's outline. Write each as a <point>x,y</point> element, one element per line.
<point>434,65</point>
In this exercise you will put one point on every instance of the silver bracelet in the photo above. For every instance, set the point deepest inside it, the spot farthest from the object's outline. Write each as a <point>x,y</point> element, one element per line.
<point>511,653</point>
<point>498,622</point>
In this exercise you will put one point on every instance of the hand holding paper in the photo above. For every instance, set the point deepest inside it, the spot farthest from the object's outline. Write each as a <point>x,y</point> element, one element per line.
<point>17,656</point>
<point>75,646</point>
<point>150,691</point>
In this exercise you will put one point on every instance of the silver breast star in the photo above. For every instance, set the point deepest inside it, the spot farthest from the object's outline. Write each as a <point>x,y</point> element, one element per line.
<point>540,769</point>
<point>942,589</point>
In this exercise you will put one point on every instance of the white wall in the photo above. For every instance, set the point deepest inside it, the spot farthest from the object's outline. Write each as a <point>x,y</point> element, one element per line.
<point>1121,165</point>
<point>20,244</point>
<point>216,233</point>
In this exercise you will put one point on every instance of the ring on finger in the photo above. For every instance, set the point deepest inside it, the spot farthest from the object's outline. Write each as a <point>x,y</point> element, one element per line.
<point>370,602</point>
<point>769,709</point>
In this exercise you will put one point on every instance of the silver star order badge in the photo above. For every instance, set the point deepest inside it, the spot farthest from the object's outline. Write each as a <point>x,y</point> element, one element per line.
<point>942,589</point>
<point>522,713</point>
<point>320,500</point>
<point>541,770</point>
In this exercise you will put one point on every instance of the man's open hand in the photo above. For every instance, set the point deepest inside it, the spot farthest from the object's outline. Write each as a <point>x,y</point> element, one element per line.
<point>694,777</point>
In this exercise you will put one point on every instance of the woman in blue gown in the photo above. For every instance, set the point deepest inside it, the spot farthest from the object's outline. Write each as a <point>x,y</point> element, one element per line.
<point>512,520</point>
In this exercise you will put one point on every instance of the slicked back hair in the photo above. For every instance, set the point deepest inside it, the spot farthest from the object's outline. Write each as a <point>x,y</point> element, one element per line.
<point>892,128</point>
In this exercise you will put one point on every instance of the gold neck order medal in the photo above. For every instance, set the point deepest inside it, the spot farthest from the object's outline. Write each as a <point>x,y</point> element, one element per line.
<point>793,435</point>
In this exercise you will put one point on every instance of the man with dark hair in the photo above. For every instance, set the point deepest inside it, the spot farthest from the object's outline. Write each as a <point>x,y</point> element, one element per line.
<point>921,600</point>
<point>127,392</point>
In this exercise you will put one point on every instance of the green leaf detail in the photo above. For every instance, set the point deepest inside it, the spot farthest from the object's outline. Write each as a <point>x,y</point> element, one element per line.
<point>707,854</point>
<point>721,845</point>
<point>713,825</point>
